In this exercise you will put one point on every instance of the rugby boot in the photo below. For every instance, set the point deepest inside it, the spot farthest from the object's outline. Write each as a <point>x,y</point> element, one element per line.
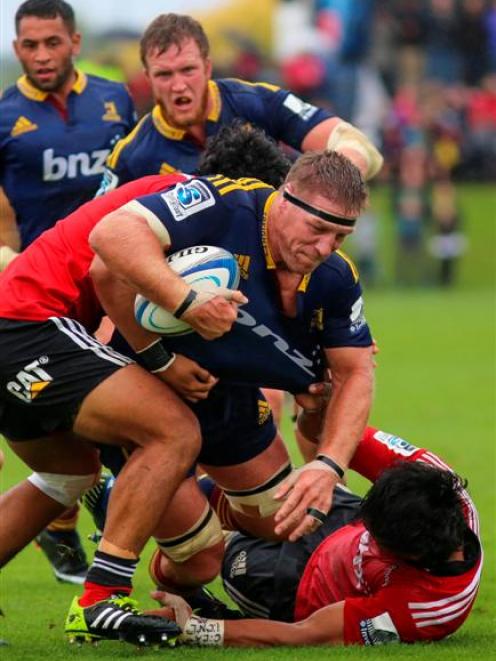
<point>118,618</point>
<point>65,554</point>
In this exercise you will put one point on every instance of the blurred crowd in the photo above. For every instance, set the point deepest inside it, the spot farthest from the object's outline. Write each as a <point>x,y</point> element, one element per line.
<point>420,77</point>
<point>417,76</point>
<point>412,73</point>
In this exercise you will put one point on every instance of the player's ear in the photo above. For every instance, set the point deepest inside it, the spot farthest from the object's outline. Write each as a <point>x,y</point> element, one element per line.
<point>76,43</point>
<point>208,67</point>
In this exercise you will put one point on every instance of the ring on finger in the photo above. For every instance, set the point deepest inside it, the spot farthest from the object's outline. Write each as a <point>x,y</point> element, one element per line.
<point>316,514</point>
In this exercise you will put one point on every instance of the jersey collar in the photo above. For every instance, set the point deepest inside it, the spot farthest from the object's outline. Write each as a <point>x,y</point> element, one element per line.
<point>174,133</point>
<point>269,260</point>
<point>34,94</point>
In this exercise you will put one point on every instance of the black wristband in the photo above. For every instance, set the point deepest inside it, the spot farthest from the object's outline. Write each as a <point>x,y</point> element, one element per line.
<point>190,297</point>
<point>155,357</point>
<point>332,464</point>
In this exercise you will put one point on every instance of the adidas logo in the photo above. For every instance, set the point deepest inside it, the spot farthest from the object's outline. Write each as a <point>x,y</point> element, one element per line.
<point>23,125</point>
<point>238,567</point>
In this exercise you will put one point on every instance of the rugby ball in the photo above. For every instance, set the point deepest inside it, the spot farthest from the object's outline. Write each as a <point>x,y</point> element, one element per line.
<point>202,267</point>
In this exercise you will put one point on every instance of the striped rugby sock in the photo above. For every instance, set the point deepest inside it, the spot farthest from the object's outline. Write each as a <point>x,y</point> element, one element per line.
<point>107,576</point>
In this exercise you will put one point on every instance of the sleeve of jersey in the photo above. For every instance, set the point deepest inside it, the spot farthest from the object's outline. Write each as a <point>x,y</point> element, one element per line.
<point>131,116</point>
<point>379,450</point>
<point>283,115</point>
<point>380,619</point>
<point>117,170</point>
<point>191,213</point>
<point>343,320</point>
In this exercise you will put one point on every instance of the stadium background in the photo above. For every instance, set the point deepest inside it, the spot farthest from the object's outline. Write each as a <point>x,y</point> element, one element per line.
<point>421,78</point>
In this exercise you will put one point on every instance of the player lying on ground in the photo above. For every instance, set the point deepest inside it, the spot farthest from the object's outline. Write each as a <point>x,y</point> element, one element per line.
<point>403,564</point>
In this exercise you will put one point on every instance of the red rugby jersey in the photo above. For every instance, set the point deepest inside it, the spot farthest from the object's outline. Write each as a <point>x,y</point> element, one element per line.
<point>51,277</point>
<point>384,597</point>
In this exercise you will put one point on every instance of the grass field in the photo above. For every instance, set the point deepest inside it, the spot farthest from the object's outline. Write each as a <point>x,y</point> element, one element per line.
<point>435,387</point>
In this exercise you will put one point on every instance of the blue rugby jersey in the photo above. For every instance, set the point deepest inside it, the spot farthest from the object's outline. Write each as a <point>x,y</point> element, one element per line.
<point>49,166</point>
<point>264,347</point>
<point>155,147</point>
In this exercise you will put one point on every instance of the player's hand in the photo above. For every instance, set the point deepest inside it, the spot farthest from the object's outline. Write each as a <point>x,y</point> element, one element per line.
<point>173,607</point>
<point>309,487</point>
<point>188,379</point>
<point>7,255</point>
<point>213,313</point>
<point>317,396</point>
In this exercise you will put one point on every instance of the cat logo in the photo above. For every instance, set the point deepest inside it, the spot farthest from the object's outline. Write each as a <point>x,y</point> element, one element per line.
<point>111,114</point>
<point>244,265</point>
<point>263,411</point>
<point>23,125</point>
<point>30,381</point>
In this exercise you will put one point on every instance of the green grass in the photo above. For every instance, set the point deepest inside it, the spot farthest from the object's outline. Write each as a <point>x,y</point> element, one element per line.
<point>435,387</point>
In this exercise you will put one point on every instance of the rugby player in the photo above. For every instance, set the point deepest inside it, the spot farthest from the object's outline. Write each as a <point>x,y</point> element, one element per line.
<point>191,107</point>
<point>305,313</point>
<point>403,564</point>
<point>57,126</point>
<point>61,390</point>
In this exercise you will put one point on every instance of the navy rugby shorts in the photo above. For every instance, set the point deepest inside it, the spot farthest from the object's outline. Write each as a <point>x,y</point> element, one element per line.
<point>236,425</point>
<point>46,370</point>
<point>262,577</point>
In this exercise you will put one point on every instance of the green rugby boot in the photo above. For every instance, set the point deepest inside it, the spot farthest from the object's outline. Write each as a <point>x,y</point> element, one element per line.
<point>118,618</point>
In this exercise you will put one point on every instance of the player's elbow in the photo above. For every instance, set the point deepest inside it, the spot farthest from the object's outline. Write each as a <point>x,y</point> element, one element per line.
<point>102,233</point>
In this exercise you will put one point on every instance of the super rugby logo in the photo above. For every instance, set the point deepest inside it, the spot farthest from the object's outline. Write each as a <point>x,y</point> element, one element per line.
<point>396,444</point>
<point>187,199</point>
<point>73,165</point>
<point>30,381</point>
<point>304,363</point>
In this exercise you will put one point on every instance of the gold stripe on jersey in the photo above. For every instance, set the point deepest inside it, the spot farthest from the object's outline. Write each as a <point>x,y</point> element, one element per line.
<point>114,156</point>
<point>165,168</point>
<point>215,101</point>
<point>269,261</point>
<point>303,286</point>
<point>81,82</point>
<point>225,185</point>
<point>218,179</point>
<point>269,86</point>
<point>244,187</point>
<point>350,263</point>
<point>34,94</point>
<point>163,127</point>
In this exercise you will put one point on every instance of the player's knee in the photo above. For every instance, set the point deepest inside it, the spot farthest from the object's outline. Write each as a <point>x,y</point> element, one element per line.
<point>182,436</point>
<point>65,489</point>
<point>259,502</point>
<point>204,537</point>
